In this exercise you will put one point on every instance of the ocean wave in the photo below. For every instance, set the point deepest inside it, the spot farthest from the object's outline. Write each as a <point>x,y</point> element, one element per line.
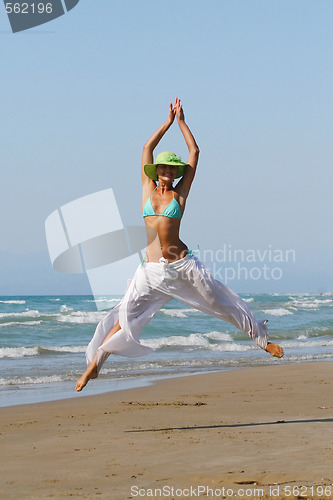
<point>71,349</point>
<point>313,304</point>
<point>318,331</point>
<point>299,295</point>
<point>18,352</point>
<point>25,314</point>
<point>66,315</point>
<point>81,317</point>
<point>251,299</point>
<point>178,313</point>
<point>233,347</point>
<point>197,340</point>
<point>219,336</point>
<point>104,299</point>
<point>20,323</point>
<point>12,301</point>
<point>143,368</point>
<point>309,357</point>
<point>32,380</point>
<point>308,343</point>
<point>193,340</point>
<point>277,312</point>
<point>64,308</point>
<point>24,352</point>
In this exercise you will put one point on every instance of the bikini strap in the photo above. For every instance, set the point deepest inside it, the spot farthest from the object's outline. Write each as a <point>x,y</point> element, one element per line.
<point>151,194</point>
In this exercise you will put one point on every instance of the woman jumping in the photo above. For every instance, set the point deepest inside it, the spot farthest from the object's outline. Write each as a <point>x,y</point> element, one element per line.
<point>170,270</point>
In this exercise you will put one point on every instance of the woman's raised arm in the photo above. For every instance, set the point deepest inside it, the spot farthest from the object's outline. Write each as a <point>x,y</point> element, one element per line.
<point>183,187</point>
<point>148,148</point>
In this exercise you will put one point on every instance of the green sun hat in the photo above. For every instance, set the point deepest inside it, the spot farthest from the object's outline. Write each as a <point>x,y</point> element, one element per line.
<point>165,158</point>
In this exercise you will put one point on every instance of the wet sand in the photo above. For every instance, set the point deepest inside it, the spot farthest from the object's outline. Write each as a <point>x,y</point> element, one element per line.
<point>261,432</point>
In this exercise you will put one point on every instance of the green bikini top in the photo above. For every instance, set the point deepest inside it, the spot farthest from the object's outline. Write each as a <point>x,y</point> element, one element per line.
<point>172,210</point>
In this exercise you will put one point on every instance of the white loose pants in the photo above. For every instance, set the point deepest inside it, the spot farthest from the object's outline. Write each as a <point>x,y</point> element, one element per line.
<point>153,285</point>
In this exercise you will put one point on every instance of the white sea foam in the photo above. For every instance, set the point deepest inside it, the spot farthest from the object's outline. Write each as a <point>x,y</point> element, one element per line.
<point>310,343</point>
<point>18,352</point>
<point>104,299</point>
<point>73,349</point>
<point>194,339</point>
<point>219,336</point>
<point>198,340</point>
<point>144,367</point>
<point>64,308</point>
<point>12,301</point>
<point>25,314</point>
<point>251,299</point>
<point>313,304</point>
<point>31,380</point>
<point>293,295</point>
<point>232,347</point>
<point>178,313</point>
<point>24,352</point>
<point>304,305</point>
<point>315,329</point>
<point>19,323</point>
<point>309,357</point>
<point>82,317</point>
<point>277,312</point>
<point>66,314</point>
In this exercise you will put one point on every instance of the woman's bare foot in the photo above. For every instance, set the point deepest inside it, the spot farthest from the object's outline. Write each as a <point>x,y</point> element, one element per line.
<point>90,373</point>
<point>274,350</point>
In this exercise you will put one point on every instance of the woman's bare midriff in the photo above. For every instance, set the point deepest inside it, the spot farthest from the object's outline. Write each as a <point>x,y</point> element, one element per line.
<point>163,239</point>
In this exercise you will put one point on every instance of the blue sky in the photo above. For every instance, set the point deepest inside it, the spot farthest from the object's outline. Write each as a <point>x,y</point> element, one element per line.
<point>81,95</point>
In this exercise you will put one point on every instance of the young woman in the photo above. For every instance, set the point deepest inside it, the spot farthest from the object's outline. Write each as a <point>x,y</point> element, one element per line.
<point>169,269</point>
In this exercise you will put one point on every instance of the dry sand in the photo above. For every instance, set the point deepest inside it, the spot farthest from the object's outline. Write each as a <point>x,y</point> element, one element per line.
<point>255,433</point>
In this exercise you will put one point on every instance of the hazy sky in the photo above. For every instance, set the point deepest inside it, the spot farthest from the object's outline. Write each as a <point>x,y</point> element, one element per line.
<point>81,95</point>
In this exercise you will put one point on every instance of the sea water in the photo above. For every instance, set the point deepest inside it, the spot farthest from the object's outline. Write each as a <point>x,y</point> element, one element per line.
<point>43,341</point>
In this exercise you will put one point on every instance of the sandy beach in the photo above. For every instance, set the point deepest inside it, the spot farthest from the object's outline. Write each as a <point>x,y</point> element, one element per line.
<point>263,432</point>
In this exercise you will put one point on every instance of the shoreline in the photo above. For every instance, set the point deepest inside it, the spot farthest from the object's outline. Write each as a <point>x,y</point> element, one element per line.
<point>99,386</point>
<point>65,390</point>
<point>258,427</point>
